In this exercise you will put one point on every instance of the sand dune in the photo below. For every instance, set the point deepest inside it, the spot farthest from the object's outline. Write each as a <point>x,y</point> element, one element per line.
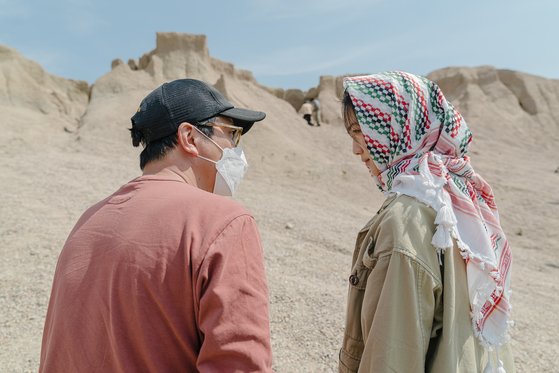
<point>64,145</point>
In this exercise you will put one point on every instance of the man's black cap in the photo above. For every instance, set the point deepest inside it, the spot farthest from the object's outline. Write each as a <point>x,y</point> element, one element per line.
<point>186,100</point>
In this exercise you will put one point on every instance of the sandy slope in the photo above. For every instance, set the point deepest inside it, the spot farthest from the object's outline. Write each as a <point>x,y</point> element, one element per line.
<point>299,176</point>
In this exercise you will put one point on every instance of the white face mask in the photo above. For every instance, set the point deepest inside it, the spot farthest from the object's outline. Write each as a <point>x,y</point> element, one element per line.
<point>230,169</point>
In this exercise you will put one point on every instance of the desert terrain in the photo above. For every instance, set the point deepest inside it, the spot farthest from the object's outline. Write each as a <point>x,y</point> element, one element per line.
<point>64,145</point>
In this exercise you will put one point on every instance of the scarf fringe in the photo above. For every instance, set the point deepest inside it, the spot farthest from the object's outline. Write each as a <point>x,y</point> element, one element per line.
<point>446,230</point>
<point>504,338</point>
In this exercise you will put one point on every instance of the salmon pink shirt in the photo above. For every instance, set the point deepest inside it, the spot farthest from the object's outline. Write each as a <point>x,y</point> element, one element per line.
<point>160,277</point>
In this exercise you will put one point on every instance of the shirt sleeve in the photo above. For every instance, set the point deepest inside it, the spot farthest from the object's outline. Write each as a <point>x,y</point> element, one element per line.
<point>233,300</point>
<point>400,303</point>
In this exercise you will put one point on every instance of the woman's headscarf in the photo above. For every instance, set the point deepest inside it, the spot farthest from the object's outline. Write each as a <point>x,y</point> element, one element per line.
<point>418,141</point>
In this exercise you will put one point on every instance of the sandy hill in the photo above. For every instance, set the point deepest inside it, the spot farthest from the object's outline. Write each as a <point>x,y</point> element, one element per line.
<point>65,145</point>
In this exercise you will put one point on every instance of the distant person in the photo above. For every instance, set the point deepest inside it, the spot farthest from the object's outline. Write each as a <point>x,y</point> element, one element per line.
<point>307,109</point>
<point>166,275</point>
<point>316,110</point>
<point>429,283</point>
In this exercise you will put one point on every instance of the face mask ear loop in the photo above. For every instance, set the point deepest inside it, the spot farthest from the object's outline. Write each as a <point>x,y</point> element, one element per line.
<point>203,134</point>
<point>206,159</point>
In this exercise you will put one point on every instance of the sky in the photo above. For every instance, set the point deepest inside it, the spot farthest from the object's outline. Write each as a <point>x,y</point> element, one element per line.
<point>291,43</point>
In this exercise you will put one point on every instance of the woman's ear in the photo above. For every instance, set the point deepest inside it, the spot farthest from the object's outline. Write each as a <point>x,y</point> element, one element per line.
<point>186,138</point>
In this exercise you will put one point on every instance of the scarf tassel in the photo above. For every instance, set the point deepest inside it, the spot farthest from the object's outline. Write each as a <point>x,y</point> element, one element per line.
<point>446,217</point>
<point>442,238</point>
<point>489,367</point>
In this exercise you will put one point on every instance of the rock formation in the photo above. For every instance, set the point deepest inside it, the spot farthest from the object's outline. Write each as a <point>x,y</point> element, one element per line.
<point>329,93</point>
<point>222,87</point>
<point>25,86</point>
<point>116,63</point>
<point>521,104</point>
<point>295,97</point>
<point>116,95</point>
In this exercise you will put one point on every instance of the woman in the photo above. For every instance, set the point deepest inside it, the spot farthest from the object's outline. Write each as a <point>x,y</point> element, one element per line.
<point>429,284</point>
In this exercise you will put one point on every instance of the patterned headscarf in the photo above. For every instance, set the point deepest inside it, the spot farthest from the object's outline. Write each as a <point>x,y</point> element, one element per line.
<point>418,141</point>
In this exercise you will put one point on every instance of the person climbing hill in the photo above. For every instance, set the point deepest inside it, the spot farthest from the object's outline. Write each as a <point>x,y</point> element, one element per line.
<point>307,110</point>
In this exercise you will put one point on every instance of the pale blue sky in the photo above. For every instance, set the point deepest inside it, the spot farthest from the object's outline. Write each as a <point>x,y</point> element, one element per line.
<point>290,43</point>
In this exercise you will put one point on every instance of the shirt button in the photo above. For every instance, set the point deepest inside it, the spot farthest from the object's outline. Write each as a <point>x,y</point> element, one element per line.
<point>354,280</point>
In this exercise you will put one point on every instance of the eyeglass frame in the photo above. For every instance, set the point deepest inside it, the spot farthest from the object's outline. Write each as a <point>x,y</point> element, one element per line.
<point>236,135</point>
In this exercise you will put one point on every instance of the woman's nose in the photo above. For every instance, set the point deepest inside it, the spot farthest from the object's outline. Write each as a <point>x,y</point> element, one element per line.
<point>357,149</point>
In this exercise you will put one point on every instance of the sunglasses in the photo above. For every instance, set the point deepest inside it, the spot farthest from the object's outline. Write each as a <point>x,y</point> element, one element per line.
<point>235,135</point>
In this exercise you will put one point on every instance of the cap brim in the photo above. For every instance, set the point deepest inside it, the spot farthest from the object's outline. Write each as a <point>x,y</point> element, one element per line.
<point>243,117</point>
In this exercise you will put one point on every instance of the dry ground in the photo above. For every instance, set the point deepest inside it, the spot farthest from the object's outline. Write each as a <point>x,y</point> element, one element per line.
<point>48,179</point>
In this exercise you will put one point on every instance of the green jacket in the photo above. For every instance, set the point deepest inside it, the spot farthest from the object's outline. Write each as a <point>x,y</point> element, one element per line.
<point>405,312</point>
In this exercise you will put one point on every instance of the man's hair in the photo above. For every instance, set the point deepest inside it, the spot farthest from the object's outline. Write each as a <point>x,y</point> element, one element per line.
<point>158,149</point>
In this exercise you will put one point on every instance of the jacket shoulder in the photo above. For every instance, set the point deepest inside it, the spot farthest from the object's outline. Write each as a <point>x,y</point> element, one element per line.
<point>407,226</point>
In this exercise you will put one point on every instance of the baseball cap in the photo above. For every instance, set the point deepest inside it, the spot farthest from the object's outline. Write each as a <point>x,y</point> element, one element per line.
<point>186,100</point>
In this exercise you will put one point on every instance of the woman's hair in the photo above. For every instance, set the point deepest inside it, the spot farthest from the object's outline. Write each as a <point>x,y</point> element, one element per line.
<point>158,149</point>
<point>347,109</point>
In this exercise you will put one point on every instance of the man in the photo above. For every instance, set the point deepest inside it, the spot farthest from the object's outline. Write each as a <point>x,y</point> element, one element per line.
<point>163,275</point>
<point>316,109</point>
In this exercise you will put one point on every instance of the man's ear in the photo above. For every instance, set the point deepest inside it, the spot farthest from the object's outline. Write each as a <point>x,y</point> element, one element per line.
<point>186,137</point>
